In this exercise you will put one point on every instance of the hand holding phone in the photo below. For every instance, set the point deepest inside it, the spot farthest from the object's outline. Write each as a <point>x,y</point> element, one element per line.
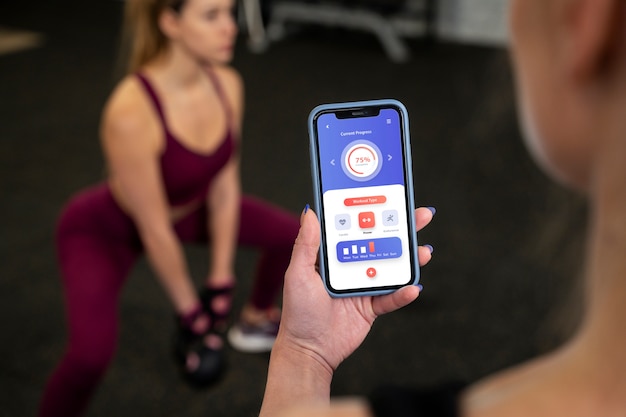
<point>363,192</point>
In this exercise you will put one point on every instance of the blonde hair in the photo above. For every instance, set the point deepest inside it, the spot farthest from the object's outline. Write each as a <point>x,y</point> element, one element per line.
<point>142,38</point>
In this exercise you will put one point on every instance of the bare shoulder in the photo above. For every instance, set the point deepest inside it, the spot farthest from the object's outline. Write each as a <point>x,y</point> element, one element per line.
<point>345,407</point>
<point>129,119</point>
<point>230,78</point>
<point>233,86</point>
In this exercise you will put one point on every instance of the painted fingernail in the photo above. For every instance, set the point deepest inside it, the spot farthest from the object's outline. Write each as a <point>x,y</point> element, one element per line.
<point>420,286</point>
<point>430,248</point>
<point>306,208</point>
<point>432,210</point>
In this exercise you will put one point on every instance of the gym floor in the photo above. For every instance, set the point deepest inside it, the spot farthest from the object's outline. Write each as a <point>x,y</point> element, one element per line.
<point>502,285</point>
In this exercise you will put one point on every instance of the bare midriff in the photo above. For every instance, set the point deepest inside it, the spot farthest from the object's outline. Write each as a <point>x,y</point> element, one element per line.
<point>175,212</point>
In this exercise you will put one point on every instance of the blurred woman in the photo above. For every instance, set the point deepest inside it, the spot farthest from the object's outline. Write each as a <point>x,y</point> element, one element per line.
<point>171,138</point>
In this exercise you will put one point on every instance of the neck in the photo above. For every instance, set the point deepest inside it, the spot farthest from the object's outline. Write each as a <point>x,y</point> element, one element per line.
<point>602,332</point>
<point>177,68</point>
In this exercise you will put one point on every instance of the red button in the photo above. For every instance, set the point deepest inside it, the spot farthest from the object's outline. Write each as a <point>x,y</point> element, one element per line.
<point>367,220</point>
<point>371,272</point>
<point>362,201</point>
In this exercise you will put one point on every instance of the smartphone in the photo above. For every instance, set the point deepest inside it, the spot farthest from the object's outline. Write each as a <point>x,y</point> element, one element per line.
<point>363,194</point>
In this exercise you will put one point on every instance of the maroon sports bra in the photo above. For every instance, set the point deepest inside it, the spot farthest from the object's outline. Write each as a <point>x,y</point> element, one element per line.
<point>187,174</point>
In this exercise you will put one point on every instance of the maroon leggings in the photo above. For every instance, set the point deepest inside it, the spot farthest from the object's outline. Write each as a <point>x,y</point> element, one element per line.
<point>98,245</point>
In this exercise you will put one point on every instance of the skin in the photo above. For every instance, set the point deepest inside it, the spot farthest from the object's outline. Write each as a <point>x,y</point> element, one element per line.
<point>569,58</point>
<point>200,38</point>
<point>307,350</point>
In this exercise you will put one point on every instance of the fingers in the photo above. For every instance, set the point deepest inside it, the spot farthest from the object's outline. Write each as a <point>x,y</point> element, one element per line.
<point>423,216</point>
<point>424,254</point>
<point>406,295</point>
<point>387,303</point>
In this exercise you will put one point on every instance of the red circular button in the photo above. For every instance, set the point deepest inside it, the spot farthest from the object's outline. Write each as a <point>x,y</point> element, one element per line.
<point>371,272</point>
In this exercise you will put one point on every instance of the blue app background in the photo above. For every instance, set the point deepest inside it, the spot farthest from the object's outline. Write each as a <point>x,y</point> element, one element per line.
<point>385,134</point>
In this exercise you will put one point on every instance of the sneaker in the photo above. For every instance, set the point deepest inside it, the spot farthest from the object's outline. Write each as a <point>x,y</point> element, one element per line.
<point>253,338</point>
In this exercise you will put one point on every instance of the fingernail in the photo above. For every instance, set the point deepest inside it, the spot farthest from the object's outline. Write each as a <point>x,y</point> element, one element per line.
<point>306,208</point>
<point>430,248</point>
<point>420,286</point>
<point>432,210</point>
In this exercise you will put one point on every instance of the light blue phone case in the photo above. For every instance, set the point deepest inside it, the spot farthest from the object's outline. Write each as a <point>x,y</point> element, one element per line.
<point>317,192</point>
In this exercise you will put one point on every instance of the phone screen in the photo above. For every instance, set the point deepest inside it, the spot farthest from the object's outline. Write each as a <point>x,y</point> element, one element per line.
<point>365,188</point>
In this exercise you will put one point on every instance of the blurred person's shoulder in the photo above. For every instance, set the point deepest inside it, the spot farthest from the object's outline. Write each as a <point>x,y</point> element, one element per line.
<point>129,111</point>
<point>228,75</point>
<point>231,81</point>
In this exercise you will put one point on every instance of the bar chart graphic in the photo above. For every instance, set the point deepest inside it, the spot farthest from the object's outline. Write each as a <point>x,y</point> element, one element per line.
<point>369,249</point>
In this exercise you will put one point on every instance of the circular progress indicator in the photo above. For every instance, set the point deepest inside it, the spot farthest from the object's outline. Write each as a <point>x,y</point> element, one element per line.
<point>361,160</point>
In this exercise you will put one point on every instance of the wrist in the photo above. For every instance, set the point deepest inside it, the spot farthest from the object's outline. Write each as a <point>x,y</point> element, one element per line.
<point>296,376</point>
<point>220,277</point>
<point>302,356</point>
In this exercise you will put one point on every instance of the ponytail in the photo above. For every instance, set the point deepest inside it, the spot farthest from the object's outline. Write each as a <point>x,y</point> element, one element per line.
<point>142,38</point>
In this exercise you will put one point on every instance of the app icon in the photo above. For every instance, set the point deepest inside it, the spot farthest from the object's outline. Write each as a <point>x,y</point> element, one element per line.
<point>366,220</point>
<point>342,222</point>
<point>390,217</point>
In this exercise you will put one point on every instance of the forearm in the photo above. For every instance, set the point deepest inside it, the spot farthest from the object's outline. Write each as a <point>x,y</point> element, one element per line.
<point>295,378</point>
<point>224,228</point>
<point>166,257</point>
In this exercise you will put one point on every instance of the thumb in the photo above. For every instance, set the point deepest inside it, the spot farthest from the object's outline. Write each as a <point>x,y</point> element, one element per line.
<point>307,243</point>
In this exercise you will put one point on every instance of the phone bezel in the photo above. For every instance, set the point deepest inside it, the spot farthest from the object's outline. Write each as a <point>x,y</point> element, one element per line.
<point>357,109</point>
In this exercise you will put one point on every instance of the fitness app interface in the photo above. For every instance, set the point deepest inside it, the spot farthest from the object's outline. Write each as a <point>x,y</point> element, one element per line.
<point>364,200</point>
